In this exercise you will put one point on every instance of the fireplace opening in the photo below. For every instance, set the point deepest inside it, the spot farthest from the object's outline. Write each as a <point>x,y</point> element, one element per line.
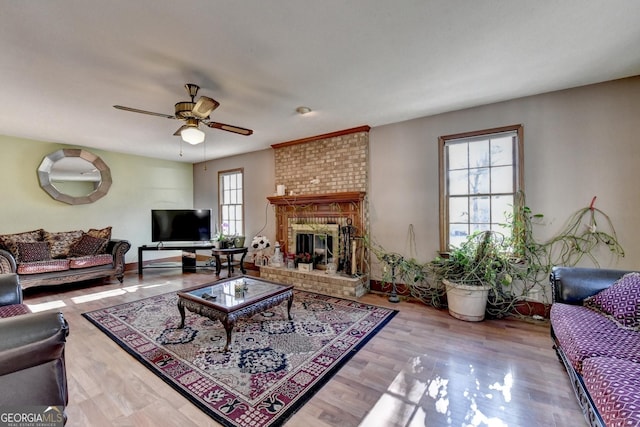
<point>320,241</point>
<point>319,246</point>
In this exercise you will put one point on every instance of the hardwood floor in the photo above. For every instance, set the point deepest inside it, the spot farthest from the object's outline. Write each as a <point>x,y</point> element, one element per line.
<point>425,368</point>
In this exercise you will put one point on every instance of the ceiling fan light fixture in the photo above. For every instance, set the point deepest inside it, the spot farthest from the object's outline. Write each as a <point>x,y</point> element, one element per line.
<point>192,135</point>
<point>193,113</point>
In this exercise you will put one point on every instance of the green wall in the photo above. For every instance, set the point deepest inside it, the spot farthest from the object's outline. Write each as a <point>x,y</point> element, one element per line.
<point>139,185</point>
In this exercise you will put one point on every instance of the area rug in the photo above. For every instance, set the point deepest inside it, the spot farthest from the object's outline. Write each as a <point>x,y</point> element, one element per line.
<point>275,366</point>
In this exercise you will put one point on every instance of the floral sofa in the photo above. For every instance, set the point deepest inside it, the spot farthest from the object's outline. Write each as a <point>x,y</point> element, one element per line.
<point>41,257</point>
<point>595,327</point>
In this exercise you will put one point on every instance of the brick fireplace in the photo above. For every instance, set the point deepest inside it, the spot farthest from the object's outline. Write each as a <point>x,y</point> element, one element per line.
<point>323,215</point>
<point>323,209</point>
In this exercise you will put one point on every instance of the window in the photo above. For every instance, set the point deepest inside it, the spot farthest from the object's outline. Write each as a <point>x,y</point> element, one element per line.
<point>480,174</point>
<point>231,200</point>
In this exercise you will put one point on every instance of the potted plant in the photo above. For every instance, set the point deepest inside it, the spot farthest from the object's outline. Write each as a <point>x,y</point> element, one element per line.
<point>514,269</point>
<point>304,261</point>
<point>224,240</point>
<point>481,266</point>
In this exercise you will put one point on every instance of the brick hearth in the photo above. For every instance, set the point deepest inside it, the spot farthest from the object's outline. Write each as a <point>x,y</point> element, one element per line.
<point>318,281</point>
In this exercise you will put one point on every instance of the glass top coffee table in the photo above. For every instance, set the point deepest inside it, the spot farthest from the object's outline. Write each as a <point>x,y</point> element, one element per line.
<point>232,299</point>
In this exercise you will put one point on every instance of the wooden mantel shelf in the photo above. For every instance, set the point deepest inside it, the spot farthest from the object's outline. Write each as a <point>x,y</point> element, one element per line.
<point>327,198</point>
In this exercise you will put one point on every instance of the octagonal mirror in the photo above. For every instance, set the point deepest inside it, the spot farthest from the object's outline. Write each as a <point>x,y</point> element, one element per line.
<point>74,176</point>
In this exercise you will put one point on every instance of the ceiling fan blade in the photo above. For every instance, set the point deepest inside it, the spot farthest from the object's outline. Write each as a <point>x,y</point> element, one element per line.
<point>229,128</point>
<point>204,107</point>
<point>151,113</point>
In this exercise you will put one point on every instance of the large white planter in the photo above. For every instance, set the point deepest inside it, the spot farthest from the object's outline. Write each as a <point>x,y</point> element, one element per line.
<point>466,302</point>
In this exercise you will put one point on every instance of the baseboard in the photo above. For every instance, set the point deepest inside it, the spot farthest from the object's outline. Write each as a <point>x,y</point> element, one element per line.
<point>526,308</point>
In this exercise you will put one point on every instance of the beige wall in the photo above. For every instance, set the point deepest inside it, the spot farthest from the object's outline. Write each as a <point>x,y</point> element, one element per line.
<point>259,182</point>
<point>579,143</point>
<point>139,185</point>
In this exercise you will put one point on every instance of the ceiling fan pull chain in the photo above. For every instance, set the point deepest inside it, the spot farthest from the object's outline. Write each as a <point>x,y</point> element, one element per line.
<point>204,155</point>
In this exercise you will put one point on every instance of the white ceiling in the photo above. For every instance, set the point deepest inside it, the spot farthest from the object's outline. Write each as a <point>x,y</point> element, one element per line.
<point>65,63</point>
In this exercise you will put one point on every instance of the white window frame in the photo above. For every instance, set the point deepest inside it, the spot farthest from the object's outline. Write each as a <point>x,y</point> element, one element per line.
<point>231,201</point>
<point>444,142</point>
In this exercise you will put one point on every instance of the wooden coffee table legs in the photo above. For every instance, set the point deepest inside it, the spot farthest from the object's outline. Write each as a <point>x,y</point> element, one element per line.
<point>228,320</point>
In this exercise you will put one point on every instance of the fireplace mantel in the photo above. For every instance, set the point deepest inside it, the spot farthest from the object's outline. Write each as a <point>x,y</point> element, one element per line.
<point>318,199</point>
<point>338,208</point>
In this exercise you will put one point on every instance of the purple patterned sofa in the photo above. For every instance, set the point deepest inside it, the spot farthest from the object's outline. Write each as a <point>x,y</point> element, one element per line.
<point>595,327</point>
<point>41,257</point>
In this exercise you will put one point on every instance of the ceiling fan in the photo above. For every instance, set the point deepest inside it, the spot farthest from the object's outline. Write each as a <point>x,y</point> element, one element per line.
<point>193,113</point>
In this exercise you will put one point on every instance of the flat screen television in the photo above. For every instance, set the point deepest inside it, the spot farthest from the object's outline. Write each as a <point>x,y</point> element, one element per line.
<point>180,225</point>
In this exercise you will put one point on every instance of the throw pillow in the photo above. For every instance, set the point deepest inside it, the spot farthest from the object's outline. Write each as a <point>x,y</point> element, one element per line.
<point>60,243</point>
<point>620,301</point>
<point>88,245</point>
<point>104,233</point>
<point>33,251</point>
<point>9,241</point>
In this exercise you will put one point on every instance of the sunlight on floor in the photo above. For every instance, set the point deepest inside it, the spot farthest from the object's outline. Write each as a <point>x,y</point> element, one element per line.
<point>36,308</point>
<point>438,392</point>
<point>504,388</point>
<point>397,406</point>
<point>407,386</point>
<point>112,293</point>
<point>50,305</point>
<point>406,401</point>
<point>97,296</point>
<point>389,411</point>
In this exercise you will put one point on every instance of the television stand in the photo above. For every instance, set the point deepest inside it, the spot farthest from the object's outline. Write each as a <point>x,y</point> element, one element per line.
<point>188,263</point>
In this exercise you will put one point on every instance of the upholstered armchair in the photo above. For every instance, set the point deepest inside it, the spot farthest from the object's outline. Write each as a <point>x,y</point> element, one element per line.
<point>32,365</point>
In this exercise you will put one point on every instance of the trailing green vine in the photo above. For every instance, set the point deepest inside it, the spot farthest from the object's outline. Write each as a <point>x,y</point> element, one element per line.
<point>519,260</point>
<point>582,236</point>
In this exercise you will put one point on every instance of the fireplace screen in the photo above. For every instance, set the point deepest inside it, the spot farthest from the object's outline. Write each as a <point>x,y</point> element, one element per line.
<point>320,246</point>
<point>320,241</point>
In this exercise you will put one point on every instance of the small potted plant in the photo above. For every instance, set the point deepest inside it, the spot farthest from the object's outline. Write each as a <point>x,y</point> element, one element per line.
<point>304,261</point>
<point>223,239</point>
